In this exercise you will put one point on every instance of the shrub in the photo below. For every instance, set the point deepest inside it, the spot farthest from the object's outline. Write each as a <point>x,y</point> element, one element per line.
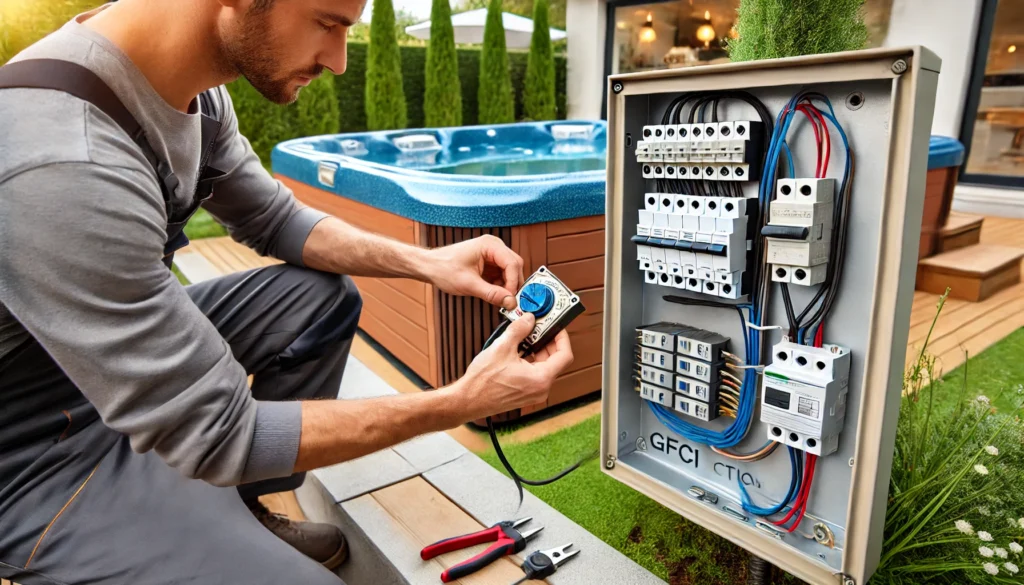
<point>442,100</point>
<point>385,98</point>
<point>352,93</point>
<point>539,98</point>
<point>494,96</point>
<point>954,499</point>
<point>265,123</point>
<point>770,29</point>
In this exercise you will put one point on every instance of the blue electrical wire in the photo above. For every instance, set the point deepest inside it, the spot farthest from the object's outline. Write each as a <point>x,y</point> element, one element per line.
<point>795,481</point>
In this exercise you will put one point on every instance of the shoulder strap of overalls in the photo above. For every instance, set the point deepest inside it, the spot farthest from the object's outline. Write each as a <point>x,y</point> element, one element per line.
<point>82,83</point>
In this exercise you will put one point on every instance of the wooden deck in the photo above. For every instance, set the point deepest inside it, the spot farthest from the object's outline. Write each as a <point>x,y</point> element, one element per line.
<point>965,327</point>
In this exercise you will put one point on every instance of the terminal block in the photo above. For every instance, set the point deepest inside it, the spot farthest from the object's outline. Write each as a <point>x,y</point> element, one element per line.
<point>713,151</point>
<point>799,230</point>
<point>803,397</point>
<point>696,243</point>
<point>683,361</point>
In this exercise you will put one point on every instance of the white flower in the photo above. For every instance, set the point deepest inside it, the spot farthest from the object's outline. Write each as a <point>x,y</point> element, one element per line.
<point>1011,568</point>
<point>1001,552</point>
<point>984,400</point>
<point>1016,548</point>
<point>984,511</point>
<point>990,568</point>
<point>965,526</point>
<point>991,450</point>
<point>1020,522</point>
<point>981,469</point>
<point>986,552</point>
<point>985,536</point>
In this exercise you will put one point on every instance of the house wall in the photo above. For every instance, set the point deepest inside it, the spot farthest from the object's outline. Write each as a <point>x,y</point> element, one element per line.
<point>947,27</point>
<point>585,26</point>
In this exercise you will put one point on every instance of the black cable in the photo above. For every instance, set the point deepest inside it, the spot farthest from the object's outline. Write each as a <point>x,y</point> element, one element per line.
<point>518,479</point>
<point>759,571</point>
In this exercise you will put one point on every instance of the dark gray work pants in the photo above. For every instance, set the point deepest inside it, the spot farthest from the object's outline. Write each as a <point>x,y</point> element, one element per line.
<point>87,509</point>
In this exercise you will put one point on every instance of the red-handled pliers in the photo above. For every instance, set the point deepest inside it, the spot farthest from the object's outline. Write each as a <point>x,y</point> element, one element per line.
<point>509,541</point>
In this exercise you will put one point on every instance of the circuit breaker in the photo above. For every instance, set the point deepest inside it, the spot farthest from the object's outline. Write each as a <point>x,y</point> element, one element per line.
<point>760,220</point>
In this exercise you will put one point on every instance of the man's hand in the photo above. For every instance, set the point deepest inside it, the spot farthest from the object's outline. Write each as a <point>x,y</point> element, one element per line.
<point>483,267</point>
<point>498,380</point>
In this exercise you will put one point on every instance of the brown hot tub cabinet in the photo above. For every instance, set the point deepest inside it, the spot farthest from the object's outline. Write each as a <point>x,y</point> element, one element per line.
<point>435,334</point>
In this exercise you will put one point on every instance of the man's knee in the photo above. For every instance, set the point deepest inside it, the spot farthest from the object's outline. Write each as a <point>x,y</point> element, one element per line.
<point>335,325</point>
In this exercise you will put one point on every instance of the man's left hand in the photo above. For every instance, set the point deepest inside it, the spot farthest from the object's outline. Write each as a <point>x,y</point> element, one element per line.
<point>483,267</point>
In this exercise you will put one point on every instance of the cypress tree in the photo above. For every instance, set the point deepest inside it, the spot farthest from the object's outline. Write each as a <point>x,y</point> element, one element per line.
<point>494,94</point>
<point>770,29</point>
<point>442,100</point>
<point>385,97</point>
<point>539,93</point>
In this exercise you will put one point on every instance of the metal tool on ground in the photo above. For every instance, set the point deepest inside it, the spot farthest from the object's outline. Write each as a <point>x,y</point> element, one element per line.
<point>542,564</point>
<point>508,540</point>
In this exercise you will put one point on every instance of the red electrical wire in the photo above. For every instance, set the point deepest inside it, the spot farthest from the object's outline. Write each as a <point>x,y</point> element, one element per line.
<point>819,336</point>
<point>812,461</point>
<point>817,135</point>
<point>800,499</point>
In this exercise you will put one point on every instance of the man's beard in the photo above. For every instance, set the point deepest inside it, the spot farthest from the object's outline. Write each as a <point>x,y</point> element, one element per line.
<point>252,54</point>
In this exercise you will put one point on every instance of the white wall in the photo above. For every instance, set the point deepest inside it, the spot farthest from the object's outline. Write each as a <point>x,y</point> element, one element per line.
<point>949,28</point>
<point>585,27</point>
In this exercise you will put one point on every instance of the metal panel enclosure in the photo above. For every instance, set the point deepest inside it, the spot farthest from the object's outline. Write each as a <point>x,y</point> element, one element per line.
<point>888,132</point>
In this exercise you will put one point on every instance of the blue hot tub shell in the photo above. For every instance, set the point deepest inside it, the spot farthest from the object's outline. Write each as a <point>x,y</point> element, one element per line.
<point>416,173</point>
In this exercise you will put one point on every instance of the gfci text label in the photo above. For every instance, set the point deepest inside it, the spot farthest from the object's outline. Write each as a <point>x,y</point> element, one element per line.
<point>672,446</point>
<point>691,456</point>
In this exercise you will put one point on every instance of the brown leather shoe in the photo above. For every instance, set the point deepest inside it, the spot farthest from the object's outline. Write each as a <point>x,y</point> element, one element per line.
<point>324,543</point>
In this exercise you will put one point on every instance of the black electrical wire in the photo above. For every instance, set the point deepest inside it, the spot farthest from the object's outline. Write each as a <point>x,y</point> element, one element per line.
<point>518,479</point>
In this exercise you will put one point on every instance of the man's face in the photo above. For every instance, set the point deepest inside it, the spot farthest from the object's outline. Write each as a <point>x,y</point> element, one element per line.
<point>281,46</point>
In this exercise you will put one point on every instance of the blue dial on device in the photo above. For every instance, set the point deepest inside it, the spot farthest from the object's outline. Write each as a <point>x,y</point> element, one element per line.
<point>537,298</point>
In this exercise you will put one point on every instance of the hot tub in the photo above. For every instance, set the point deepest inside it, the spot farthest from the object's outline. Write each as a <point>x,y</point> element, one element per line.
<point>537,186</point>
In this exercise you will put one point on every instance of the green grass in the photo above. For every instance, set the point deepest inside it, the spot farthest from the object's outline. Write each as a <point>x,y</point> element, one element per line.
<point>657,538</point>
<point>998,368</point>
<point>202,225</point>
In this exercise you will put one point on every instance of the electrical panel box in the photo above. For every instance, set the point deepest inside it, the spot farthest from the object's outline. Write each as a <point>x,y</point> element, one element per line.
<point>758,287</point>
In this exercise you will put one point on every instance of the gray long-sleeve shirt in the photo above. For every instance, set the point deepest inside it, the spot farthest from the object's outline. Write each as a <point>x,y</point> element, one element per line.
<point>82,231</point>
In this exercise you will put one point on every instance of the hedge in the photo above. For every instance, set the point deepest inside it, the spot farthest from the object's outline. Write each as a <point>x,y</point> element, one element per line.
<point>351,85</point>
<point>265,123</point>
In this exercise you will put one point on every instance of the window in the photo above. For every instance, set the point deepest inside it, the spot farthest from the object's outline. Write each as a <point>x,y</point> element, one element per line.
<point>993,129</point>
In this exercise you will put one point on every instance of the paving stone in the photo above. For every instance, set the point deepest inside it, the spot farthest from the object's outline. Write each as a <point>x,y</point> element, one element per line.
<point>366,474</point>
<point>359,381</point>
<point>429,451</point>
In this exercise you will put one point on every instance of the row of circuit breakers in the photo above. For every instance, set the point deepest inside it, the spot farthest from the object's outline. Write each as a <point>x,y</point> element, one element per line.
<point>703,244</point>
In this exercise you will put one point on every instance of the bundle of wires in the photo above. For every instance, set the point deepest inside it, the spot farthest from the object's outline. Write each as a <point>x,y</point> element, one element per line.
<point>802,472</point>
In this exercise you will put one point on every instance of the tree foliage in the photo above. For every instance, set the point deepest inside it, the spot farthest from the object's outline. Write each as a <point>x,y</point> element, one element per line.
<point>385,97</point>
<point>539,98</point>
<point>494,96</point>
<point>770,29</point>
<point>442,100</point>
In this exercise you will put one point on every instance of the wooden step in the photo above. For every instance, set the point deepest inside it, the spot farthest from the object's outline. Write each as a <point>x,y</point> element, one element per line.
<point>961,230</point>
<point>973,273</point>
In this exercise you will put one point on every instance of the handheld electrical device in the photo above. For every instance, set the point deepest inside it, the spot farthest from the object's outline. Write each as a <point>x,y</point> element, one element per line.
<point>554,306</point>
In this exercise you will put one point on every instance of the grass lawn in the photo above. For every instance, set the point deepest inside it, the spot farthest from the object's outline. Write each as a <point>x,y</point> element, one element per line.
<point>998,368</point>
<point>659,539</point>
<point>202,225</point>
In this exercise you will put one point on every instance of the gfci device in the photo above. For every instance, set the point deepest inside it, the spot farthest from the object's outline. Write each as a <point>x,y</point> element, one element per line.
<point>762,225</point>
<point>553,304</point>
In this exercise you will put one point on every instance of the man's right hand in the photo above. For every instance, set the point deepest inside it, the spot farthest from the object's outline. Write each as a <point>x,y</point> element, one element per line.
<point>499,380</point>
